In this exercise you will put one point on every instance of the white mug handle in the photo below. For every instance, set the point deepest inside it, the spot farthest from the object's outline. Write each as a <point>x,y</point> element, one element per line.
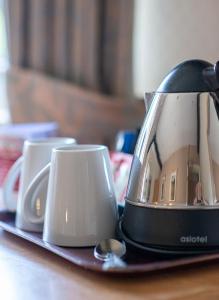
<point>30,196</point>
<point>9,183</point>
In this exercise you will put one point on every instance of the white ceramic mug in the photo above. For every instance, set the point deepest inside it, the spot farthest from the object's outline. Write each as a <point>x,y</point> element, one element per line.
<point>81,205</point>
<point>36,154</point>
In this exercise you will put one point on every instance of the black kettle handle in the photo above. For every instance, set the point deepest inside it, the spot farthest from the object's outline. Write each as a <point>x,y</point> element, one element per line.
<point>211,77</point>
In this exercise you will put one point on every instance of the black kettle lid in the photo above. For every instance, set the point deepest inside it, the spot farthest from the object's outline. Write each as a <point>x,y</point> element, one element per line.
<point>187,77</point>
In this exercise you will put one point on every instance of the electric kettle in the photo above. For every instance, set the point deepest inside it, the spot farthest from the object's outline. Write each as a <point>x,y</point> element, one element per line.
<point>172,200</point>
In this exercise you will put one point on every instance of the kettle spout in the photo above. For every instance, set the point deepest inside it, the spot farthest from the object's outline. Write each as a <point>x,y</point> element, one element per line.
<point>211,77</point>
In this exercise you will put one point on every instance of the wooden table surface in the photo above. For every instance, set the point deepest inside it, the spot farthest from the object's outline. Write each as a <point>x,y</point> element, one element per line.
<point>29,272</point>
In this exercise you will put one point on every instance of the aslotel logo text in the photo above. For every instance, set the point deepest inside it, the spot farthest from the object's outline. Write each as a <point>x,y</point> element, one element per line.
<point>194,239</point>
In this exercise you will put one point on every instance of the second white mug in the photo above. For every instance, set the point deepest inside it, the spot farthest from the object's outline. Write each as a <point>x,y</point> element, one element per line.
<point>36,154</point>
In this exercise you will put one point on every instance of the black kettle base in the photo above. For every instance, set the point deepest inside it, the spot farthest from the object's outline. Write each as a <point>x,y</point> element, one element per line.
<point>171,231</point>
<point>170,251</point>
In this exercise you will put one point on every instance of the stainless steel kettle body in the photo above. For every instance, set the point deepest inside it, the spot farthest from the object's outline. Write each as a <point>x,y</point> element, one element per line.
<point>176,161</point>
<point>172,199</point>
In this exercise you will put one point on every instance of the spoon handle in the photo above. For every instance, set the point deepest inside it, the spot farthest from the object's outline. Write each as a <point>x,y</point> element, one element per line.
<point>114,262</point>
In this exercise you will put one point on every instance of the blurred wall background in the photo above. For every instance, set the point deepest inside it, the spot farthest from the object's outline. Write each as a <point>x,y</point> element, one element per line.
<point>116,47</point>
<point>4,64</point>
<point>169,32</point>
<point>87,42</point>
<point>71,62</point>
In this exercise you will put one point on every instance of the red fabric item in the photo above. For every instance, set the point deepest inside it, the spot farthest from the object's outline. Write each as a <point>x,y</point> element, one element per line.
<point>121,164</point>
<point>10,151</point>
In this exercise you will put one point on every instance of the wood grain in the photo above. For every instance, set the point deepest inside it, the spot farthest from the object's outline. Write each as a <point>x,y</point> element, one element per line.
<point>60,39</point>
<point>117,47</point>
<point>29,272</point>
<point>88,116</point>
<point>123,82</point>
<point>16,15</point>
<point>87,42</point>
<point>84,43</point>
<point>40,35</point>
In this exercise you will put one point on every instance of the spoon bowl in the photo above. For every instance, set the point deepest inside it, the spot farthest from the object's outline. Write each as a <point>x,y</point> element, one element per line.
<point>111,251</point>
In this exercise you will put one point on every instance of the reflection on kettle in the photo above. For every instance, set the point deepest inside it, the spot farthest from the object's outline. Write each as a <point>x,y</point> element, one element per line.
<point>173,188</point>
<point>176,160</point>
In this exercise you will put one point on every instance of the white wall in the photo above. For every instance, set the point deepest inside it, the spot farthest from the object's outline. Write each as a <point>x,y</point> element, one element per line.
<point>167,32</point>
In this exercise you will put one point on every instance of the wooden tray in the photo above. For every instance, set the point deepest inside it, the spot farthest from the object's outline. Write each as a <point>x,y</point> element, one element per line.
<point>83,257</point>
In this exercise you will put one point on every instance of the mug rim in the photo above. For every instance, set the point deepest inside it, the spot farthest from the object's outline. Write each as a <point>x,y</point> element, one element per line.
<point>50,141</point>
<point>80,148</point>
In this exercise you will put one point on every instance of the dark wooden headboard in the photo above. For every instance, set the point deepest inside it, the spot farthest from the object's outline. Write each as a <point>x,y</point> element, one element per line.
<point>89,116</point>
